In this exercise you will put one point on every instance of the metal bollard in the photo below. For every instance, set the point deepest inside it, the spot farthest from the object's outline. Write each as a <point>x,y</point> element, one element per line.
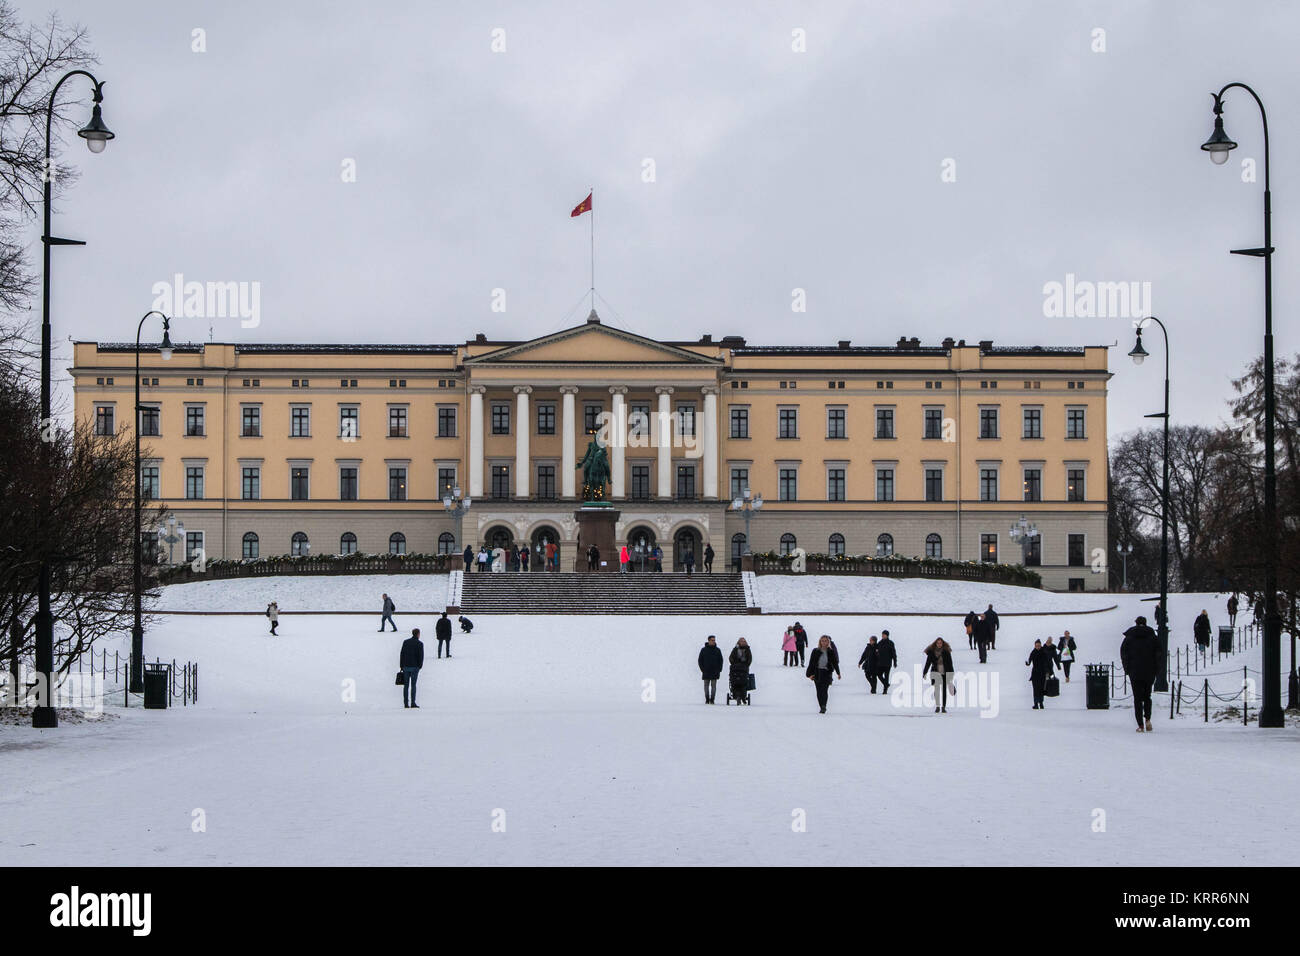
<point>1206,692</point>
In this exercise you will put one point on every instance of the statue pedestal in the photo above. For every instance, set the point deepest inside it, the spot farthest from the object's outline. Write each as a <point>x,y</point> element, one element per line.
<point>596,526</point>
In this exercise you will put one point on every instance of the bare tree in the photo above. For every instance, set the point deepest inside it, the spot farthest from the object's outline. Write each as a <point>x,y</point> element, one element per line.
<point>33,57</point>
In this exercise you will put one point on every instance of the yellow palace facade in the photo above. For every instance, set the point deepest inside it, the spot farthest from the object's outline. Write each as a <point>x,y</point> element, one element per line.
<point>910,449</point>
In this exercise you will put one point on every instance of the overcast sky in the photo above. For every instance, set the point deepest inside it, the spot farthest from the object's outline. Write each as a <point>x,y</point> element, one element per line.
<point>774,169</point>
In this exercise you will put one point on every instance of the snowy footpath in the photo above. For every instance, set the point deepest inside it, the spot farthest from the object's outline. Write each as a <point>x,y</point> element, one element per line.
<point>585,740</point>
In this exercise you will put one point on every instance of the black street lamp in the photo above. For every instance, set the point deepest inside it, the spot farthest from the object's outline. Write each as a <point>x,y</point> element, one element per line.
<point>136,683</point>
<point>1138,354</point>
<point>456,506</point>
<point>96,135</point>
<point>1218,146</point>
<point>747,503</point>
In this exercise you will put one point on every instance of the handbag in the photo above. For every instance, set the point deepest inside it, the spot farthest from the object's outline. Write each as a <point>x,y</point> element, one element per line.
<point>401,679</point>
<point>1052,687</point>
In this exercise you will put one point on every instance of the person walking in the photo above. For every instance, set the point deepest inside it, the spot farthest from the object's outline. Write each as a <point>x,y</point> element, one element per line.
<point>971,620</point>
<point>1066,651</point>
<point>869,661</point>
<point>469,559</point>
<point>483,559</point>
<point>623,558</point>
<point>1232,609</point>
<point>273,613</point>
<point>592,553</point>
<point>688,559</point>
<point>983,636</point>
<point>801,640</point>
<point>790,655</point>
<point>995,623</point>
<point>710,661</point>
<point>822,663</point>
<point>552,556</point>
<point>1041,662</point>
<point>1201,629</point>
<point>938,664</point>
<point>659,558</point>
<point>389,608</point>
<point>442,631</point>
<point>410,661</point>
<point>1139,655</point>
<point>524,555</point>
<point>740,659</point>
<point>886,660</point>
<point>709,554</point>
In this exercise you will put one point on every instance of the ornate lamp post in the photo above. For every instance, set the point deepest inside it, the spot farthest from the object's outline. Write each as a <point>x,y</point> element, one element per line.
<point>1218,146</point>
<point>173,532</point>
<point>1024,532</point>
<point>1124,551</point>
<point>1138,355</point>
<point>96,135</point>
<point>456,506</point>
<point>747,503</point>
<point>136,682</point>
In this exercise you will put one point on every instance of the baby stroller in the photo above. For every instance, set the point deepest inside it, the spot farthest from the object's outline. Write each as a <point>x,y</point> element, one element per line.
<point>742,682</point>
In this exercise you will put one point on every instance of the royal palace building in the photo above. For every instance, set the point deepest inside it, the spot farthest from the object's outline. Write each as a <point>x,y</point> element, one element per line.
<point>911,449</point>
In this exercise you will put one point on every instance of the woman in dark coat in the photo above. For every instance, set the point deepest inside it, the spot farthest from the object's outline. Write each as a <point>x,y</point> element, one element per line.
<point>971,620</point>
<point>938,664</point>
<point>738,673</point>
<point>870,662</point>
<point>823,662</point>
<point>1201,629</point>
<point>1042,662</point>
<point>710,667</point>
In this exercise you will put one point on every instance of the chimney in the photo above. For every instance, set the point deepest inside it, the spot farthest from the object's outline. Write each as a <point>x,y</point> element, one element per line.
<point>844,343</point>
<point>916,342</point>
<point>948,342</point>
<point>902,342</point>
<point>986,344</point>
<point>480,338</point>
<point>706,338</point>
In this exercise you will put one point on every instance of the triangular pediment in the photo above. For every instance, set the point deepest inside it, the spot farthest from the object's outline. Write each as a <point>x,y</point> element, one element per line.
<point>592,344</point>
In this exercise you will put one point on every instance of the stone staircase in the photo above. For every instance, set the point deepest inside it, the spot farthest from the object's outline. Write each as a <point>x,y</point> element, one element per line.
<point>600,593</point>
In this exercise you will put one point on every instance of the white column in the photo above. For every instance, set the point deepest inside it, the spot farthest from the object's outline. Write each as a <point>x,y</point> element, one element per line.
<point>476,440</point>
<point>569,458</point>
<point>710,443</point>
<point>522,425</point>
<point>618,440</point>
<point>664,440</point>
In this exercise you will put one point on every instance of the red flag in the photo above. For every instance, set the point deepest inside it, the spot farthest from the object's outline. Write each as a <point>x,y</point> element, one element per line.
<point>584,206</point>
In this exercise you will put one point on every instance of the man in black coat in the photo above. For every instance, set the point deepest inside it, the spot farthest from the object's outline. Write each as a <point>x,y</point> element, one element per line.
<point>971,620</point>
<point>823,668</point>
<point>442,630</point>
<point>389,608</point>
<point>466,625</point>
<point>710,667</point>
<point>469,559</point>
<point>1232,610</point>
<point>1139,653</point>
<point>709,555</point>
<point>1201,629</point>
<point>992,616</point>
<point>1042,662</point>
<point>984,631</point>
<point>886,659</point>
<point>410,661</point>
<point>870,661</point>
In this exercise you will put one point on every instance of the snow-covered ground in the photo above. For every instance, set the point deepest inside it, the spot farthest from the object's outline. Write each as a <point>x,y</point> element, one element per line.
<point>805,594</point>
<point>585,740</point>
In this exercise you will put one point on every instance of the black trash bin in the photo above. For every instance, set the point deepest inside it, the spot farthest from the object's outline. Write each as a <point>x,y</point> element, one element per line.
<point>157,686</point>
<point>1225,639</point>
<point>1097,686</point>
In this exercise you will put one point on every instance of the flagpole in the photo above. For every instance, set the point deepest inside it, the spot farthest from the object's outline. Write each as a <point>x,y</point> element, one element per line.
<point>592,194</point>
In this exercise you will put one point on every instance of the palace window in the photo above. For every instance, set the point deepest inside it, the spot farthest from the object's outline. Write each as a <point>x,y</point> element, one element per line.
<point>835,427</point>
<point>396,483</point>
<point>788,543</point>
<point>884,484</point>
<point>347,543</point>
<point>787,423</point>
<point>397,543</point>
<point>933,423</point>
<point>251,418</point>
<point>446,480</point>
<point>349,421</point>
<point>446,543</point>
<point>545,481</point>
<point>934,484</point>
<point>300,421</point>
<point>500,419</point>
<point>739,421</point>
<point>251,483</point>
<point>1033,484</point>
<point>933,546</point>
<point>640,489</point>
<point>988,423</point>
<point>149,421</point>
<point>397,421</point>
<point>1074,423</point>
<point>884,545</point>
<point>884,423</point>
<point>500,481</point>
<point>1075,550</point>
<point>104,420</point>
<point>545,418</point>
<point>988,484</point>
<point>194,421</point>
<point>149,482</point>
<point>299,546</point>
<point>298,483</point>
<point>1074,485</point>
<point>989,548</point>
<point>194,481</point>
<point>835,484</point>
<point>685,482</point>
<point>447,421</point>
<point>787,485</point>
<point>251,545</point>
<point>739,482</point>
<point>835,546</point>
<point>347,483</point>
